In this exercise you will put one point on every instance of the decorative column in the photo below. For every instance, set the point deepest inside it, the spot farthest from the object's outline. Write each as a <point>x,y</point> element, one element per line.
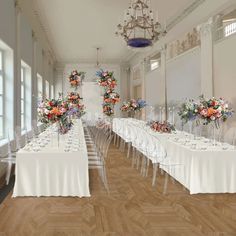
<point>164,102</point>
<point>206,58</point>
<point>143,85</point>
<point>34,82</point>
<point>17,73</point>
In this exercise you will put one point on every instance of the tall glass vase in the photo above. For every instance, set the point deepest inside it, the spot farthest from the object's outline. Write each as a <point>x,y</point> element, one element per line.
<point>58,133</point>
<point>216,132</point>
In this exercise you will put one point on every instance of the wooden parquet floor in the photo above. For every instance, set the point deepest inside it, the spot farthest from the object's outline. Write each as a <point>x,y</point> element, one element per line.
<point>133,208</point>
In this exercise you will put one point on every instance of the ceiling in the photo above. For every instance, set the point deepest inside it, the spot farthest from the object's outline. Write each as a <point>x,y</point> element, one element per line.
<point>76,27</point>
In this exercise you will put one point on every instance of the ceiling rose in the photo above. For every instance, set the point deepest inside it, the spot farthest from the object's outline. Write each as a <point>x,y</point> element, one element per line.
<point>139,28</point>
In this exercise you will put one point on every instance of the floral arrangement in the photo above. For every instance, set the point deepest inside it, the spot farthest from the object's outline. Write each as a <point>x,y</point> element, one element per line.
<point>108,109</point>
<point>161,127</point>
<point>133,105</point>
<point>74,97</point>
<point>212,110</point>
<point>76,78</point>
<point>60,111</point>
<point>76,108</point>
<point>188,111</point>
<point>107,80</point>
<point>52,111</point>
<point>111,97</point>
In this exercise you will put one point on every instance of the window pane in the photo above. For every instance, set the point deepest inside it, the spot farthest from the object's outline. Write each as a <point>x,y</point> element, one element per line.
<point>230,29</point>
<point>1,127</point>
<point>22,106</point>
<point>47,89</point>
<point>1,84</point>
<point>22,91</point>
<point>22,74</point>
<point>1,105</point>
<point>52,91</point>
<point>0,60</point>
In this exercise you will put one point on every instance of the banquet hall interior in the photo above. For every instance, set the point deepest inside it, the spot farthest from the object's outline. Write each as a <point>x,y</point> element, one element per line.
<point>117,118</point>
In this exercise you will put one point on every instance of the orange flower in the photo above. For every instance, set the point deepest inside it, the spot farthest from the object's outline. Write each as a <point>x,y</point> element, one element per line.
<point>74,82</point>
<point>55,111</point>
<point>210,111</point>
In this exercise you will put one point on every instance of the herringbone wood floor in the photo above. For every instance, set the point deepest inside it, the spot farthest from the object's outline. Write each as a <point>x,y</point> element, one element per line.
<point>132,208</point>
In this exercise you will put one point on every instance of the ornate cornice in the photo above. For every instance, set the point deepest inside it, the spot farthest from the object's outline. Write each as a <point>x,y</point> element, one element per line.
<point>174,21</point>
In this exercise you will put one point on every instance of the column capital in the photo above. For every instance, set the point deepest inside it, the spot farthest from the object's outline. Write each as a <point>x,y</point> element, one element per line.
<point>207,27</point>
<point>17,6</point>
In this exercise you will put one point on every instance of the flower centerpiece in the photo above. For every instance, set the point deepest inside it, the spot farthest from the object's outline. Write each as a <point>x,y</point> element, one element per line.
<point>133,105</point>
<point>55,111</point>
<point>189,111</point>
<point>125,107</point>
<point>161,127</point>
<point>214,110</point>
<point>107,80</point>
<point>76,78</point>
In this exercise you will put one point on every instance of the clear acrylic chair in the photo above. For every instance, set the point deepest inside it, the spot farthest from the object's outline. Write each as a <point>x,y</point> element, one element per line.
<point>97,154</point>
<point>10,160</point>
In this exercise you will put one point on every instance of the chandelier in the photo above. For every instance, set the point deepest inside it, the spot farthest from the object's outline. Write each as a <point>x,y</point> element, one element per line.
<point>140,29</point>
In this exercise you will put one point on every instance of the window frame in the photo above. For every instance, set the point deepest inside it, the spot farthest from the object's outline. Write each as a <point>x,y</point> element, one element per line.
<point>47,89</point>
<point>230,29</point>
<point>23,83</point>
<point>39,87</point>
<point>2,73</point>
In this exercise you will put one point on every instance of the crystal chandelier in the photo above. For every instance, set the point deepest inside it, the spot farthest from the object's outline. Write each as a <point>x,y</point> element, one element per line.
<point>140,29</point>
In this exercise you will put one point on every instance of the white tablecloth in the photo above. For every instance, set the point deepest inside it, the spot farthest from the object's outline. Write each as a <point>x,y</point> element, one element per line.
<point>52,171</point>
<point>201,171</point>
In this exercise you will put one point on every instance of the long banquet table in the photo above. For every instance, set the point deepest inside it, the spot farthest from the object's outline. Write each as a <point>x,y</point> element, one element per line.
<point>54,170</point>
<point>204,168</point>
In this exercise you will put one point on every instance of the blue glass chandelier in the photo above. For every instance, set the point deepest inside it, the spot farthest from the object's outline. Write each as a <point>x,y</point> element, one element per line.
<point>139,29</point>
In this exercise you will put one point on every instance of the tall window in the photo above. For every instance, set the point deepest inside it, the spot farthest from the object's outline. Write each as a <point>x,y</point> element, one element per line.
<point>26,98</point>
<point>47,86</point>
<point>230,29</point>
<point>154,64</point>
<point>40,86</point>
<point>1,97</point>
<point>23,103</point>
<point>52,91</point>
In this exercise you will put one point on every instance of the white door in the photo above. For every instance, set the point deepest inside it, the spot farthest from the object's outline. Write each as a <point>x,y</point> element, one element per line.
<point>92,99</point>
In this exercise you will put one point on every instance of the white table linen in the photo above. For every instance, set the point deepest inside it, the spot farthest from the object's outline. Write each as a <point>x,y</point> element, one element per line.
<point>201,171</point>
<point>52,171</point>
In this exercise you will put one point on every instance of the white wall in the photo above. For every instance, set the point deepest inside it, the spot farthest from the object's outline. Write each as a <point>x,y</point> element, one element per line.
<point>7,22</point>
<point>154,92</point>
<point>225,71</point>
<point>26,41</point>
<point>183,75</point>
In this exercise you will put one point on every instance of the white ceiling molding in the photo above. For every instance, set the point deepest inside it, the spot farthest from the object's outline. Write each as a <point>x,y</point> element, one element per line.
<point>45,30</point>
<point>183,14</point>
<point>74,33</point>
